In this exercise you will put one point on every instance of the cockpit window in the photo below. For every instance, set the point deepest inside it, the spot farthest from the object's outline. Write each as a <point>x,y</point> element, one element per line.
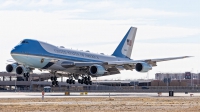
<point>24,42</point>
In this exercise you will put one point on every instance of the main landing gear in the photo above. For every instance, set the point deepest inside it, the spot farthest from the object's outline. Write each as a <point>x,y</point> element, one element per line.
<point>54,81</point>
<point>70,80</point>
<point>85,80</point>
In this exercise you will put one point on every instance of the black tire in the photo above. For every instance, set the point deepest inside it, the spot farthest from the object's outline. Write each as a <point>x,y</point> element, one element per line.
<point>89,78</point>
<point>86,82</point>
<point>53,83</point>
<point>56,83</point>
<point>55,78</point>
<point>24,74</point>
<point>73,81</point>
<point>67,81</point>
<point>79,80</point>
<point>70,81</point>
<point>27,74</point>
<point>90,82</point>
<point>52,78</point>
<point>85,78</point>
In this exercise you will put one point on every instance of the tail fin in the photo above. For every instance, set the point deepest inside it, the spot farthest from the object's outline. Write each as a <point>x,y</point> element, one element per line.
<point>124,49</point>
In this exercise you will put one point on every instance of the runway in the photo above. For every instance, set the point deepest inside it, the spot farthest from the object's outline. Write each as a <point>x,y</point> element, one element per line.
<point>95,102</point>
<point>74,95</point>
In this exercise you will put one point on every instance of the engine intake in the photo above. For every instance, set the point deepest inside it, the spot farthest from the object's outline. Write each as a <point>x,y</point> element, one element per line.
<point>97,70</point>
<point>10,68</point>
<point>143,67</point>
<point>20,70</point>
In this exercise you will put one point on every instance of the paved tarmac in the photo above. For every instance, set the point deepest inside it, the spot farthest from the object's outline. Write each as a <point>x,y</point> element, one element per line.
<point>62,95</point>
<point>95,102</point>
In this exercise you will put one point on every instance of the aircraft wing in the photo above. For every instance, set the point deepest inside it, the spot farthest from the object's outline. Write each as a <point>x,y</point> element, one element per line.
<point>130,65</point>
<point>149,61</point>
<point>168,59</point>
<point>66,64</point>
<point>113,67</point>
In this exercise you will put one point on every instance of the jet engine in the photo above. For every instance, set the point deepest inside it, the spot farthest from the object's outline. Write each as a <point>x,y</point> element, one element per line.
<point>143,67</point>
<point>97,70</point>
<point>20,70</point>
<point>11,68</point>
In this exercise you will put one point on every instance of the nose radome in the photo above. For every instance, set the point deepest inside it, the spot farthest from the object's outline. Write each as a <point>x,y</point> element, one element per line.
<point>12,51</point>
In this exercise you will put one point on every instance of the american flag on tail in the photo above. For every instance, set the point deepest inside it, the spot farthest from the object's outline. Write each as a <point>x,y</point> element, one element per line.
<point>129,42</point>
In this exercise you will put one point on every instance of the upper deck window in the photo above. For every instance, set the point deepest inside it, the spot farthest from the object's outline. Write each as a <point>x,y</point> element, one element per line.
<point>24,42</point>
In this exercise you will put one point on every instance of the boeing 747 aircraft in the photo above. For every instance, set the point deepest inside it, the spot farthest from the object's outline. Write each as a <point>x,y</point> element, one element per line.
<point>33,54</point>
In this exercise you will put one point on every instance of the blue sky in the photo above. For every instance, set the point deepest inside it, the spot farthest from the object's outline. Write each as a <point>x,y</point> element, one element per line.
<point>165,28</point>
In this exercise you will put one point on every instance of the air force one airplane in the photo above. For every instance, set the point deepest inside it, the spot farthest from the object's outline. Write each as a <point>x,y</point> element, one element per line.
<point>79,65</point>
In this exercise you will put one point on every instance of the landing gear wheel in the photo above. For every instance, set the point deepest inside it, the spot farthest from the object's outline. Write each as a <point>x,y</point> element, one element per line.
<point>86,82</point>
<point>24,75</point>
<point>67,80</point>
<point>79,80</point>
<point>55,78</point>
<point>85,78</point>
<point>52,78</point>
<point>56,83</point>
<point>70,81</point>
<point>73,81</point>
<point>27,74</point>
<point>89,78</point>
<point>53,83</point>
<point>90,82</point>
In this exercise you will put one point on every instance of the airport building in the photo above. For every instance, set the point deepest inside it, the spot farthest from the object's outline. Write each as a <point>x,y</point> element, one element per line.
<point>177,76</point>
<point>37,82</point>
<point>176,79</point>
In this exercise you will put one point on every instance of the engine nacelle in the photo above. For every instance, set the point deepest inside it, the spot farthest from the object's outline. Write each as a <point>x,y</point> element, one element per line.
<point>20,70</point>
<point>143,67</point>
<point>11,68</point>
<point>97,70</point>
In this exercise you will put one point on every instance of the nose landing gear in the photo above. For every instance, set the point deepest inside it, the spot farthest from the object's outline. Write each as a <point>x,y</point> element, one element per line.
<point>26,76</point>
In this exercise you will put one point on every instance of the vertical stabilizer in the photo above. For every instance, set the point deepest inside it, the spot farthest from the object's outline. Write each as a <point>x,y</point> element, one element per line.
<point>124,49</point>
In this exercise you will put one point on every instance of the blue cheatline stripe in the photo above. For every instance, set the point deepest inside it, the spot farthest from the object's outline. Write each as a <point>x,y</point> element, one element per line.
<point>48,65</point>
<point>59,57</point>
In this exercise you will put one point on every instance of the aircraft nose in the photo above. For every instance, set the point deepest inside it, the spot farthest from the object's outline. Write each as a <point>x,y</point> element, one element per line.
<point>13,51</point>
<point>16,49</point>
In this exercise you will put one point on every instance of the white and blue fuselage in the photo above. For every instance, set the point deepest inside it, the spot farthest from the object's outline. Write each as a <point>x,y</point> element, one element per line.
<point>37,54</point>
<point>30,54</point>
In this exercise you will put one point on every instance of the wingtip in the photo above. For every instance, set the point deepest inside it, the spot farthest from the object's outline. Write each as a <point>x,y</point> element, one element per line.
<point>188,56</point>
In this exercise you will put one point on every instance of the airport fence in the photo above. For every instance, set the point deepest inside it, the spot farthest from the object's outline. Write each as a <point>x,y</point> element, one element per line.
<point>120,89</point>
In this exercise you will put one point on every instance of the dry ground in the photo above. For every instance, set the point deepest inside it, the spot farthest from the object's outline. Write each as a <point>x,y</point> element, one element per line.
<point>115,104</point>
